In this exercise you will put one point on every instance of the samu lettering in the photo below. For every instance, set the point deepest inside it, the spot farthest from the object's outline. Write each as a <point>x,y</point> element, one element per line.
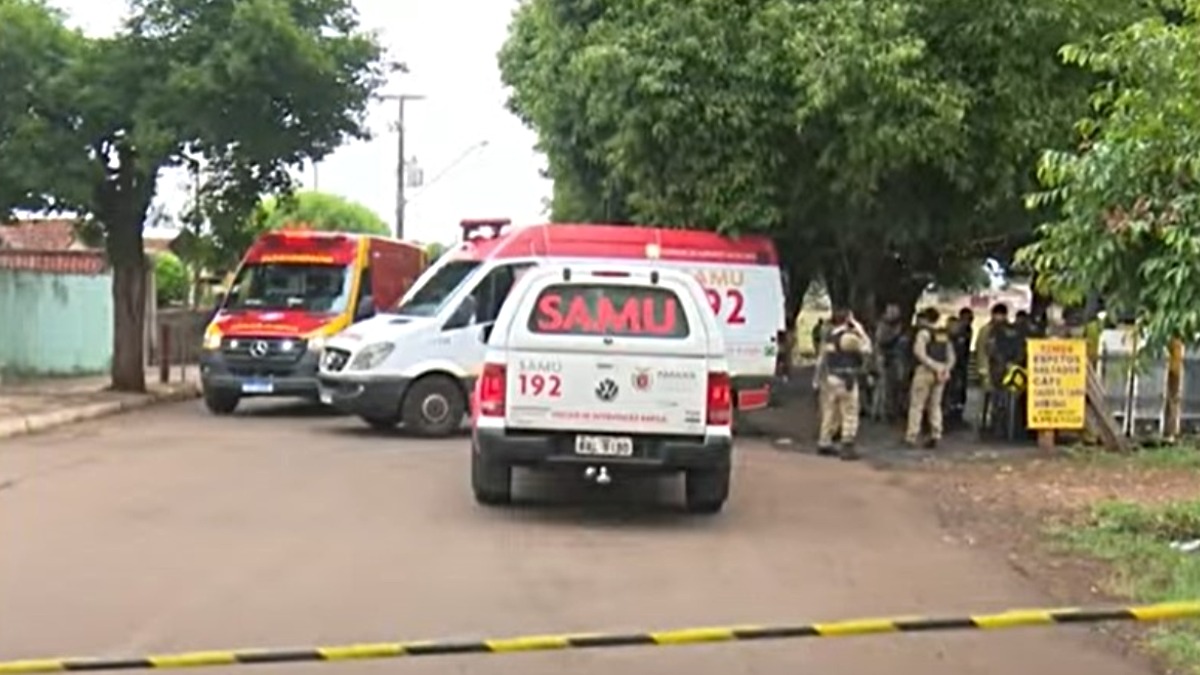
<point>636,316</point>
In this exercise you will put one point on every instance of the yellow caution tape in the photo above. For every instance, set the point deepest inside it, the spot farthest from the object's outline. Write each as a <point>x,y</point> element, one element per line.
<point>687,636</point>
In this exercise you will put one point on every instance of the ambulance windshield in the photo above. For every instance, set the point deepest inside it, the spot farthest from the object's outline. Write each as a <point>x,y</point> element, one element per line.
<point>436,288</point>
<point>282,286</point>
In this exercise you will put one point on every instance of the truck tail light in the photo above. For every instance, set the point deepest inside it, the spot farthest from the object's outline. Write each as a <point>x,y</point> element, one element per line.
<point>720,400</point>
<point>492,385</point>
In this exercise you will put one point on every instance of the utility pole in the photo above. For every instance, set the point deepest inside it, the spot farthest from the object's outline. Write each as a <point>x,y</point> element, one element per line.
<point>401,164</point>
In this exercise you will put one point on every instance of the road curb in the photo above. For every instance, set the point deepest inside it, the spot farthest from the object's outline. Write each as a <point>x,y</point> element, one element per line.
<point>52,419</point>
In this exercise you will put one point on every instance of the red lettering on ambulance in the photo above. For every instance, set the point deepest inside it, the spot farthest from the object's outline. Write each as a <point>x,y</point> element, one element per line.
<point>627,320</point>
<point>667,326</point>
<point>578,316</point>
<point>636,316</point>
<point>550,313</point>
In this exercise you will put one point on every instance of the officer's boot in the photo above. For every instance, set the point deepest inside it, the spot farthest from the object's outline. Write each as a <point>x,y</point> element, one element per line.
<point>848,452</point>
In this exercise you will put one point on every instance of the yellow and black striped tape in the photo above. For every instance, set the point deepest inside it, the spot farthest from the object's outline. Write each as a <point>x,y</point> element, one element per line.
<point>687,636</point>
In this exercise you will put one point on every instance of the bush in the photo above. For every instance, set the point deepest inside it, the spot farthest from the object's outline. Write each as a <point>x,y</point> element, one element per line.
<point>170,279</point>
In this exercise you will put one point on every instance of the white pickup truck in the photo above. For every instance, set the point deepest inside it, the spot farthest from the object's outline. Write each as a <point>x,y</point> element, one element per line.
<point>605,370</point>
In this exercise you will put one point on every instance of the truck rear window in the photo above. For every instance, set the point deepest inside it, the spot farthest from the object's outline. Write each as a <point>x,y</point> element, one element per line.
<point>598,309</point>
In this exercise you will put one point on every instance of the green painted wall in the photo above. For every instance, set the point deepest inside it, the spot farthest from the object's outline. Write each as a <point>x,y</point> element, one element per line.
<point>55,324</point>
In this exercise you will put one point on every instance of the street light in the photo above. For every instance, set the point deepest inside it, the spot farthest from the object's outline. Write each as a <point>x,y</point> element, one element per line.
<point>462,156</point>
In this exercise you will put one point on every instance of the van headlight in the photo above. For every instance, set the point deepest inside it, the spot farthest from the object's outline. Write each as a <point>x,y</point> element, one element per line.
<point>212,340</point>
<point>371,356</point>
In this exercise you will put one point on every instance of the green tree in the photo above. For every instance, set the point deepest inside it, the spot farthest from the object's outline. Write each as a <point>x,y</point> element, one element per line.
<point>170,278</point>
<point>884,145</point>
<point>1122,208</point>
<point>247,89</point>
<point>34,45</point>
<point>320,211</point>
<point>435,250</point>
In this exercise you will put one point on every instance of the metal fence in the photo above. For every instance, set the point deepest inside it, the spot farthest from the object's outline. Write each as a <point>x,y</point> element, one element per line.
<point>1137,396</point>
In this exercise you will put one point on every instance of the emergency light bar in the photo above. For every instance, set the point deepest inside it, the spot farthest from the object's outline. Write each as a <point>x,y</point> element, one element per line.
<point>486,228</point>
<point>287,239</point>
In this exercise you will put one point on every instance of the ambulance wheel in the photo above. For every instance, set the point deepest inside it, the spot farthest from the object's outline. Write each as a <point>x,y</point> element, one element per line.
<point>706,490</point>
<point>434,406</point>
<point>221,402</point>
<point>491,481</point>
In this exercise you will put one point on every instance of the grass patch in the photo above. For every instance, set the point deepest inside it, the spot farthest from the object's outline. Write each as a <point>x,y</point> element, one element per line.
<point>1135,540</point>
<point>1184,456</point>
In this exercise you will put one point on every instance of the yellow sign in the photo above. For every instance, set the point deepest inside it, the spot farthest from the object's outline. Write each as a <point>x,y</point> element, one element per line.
<point>1057,383</point>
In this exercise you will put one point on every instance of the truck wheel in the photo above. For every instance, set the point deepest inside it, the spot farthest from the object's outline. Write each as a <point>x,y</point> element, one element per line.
<point>434,406</point>
<point>221,403</point>
<point>706,489</point>
<point>491,481</point>
<point>382,423</point>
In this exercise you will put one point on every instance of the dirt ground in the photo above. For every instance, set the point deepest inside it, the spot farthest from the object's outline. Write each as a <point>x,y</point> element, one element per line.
<point>1002,499</point>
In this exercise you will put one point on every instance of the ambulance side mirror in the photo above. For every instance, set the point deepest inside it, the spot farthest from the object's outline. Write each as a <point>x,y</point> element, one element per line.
<point>486,333</point>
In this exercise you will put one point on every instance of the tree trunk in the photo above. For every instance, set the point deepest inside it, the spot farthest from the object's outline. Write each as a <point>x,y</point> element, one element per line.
<point>904,293</point>
<point>797,287</point>
<point>1174,404</point>
<point>128,259</point>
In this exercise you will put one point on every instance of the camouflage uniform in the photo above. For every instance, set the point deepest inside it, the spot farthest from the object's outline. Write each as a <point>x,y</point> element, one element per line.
<point>842,359</point>
<point>933,354</point>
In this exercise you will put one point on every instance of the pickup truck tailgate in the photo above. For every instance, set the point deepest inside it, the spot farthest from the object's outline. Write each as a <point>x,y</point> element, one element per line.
<point>562,391</point>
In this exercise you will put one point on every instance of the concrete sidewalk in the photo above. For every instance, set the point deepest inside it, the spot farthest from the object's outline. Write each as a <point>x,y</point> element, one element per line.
<point>37,405</point>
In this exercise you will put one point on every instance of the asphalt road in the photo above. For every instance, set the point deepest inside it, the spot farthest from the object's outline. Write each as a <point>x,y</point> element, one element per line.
<point>169,529</point>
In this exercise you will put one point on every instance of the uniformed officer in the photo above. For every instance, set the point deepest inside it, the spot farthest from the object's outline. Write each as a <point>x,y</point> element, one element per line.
<point>841,361</point>
<point>955,404</point>
<point>933,357</point>
<point>889,338</point>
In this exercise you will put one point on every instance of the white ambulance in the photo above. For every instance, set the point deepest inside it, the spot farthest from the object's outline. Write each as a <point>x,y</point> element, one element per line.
<point>602,369</point>
<point>417,363</point>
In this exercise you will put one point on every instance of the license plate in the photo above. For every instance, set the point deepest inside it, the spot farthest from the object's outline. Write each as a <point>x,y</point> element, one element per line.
<point>257,387</point>
<point>604,446</point>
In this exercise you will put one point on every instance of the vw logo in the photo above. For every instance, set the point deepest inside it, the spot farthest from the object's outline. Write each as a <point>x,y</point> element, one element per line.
<point>606,390</point>
<point>259,348</point>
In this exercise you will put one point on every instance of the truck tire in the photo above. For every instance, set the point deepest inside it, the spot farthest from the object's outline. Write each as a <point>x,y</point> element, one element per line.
<point>434,406</point>
<point>706,489</point>
<point>491,481</point>
<point>221,403</point>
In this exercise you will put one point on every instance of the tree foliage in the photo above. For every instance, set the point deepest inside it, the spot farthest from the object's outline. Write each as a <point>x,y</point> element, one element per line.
<point>246,89</point>
<point>435,250</point>
<point>34,48</point>
<point>884,144</point>
<point>1125,203</point>
<point>170,279</point>
<point>321,211</point>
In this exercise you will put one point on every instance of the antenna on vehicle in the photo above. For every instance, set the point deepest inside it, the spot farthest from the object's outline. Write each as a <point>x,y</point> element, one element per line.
<point>483,228</point>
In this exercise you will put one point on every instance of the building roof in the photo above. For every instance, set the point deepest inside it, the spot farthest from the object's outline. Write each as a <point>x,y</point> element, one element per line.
<point>39,235</point>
